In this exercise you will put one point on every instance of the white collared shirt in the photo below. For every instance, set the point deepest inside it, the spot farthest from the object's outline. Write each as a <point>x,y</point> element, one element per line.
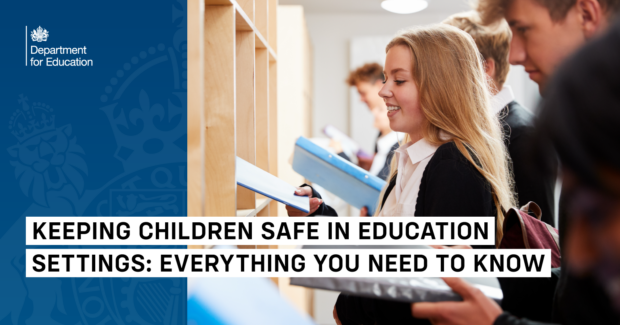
<point>384,144</point>
<point>412,160</point>
<point>501,99</point>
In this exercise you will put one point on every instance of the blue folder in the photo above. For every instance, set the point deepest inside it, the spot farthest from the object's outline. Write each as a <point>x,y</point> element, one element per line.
<point>340,177</point>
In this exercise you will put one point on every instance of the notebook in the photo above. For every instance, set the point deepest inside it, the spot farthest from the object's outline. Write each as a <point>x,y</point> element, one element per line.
<point>260,181</point>
<point>351,183</point>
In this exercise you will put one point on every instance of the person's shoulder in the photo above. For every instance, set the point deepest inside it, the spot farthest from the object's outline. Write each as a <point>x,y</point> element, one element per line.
<point>448,161</point>
<point>445,153</point>
<point>518,122</point>
<point>519,117</point>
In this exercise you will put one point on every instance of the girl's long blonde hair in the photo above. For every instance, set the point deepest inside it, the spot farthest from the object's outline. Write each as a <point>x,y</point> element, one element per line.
<point>454,98</point>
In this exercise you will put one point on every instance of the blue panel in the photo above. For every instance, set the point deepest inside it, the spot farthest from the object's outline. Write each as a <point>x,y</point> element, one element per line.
<point>107,139</point>
<point>349,182</point>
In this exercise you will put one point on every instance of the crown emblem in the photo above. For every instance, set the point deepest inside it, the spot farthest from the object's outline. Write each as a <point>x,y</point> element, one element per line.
<point>39,35</point>
<point>29,121</point>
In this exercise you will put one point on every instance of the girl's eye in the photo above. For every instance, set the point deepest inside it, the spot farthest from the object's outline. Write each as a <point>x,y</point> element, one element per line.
<point>399,82</point>
<point>521,30</point>
<point>384,81</point>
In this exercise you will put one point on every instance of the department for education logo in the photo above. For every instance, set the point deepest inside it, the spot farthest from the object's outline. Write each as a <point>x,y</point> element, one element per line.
<point>54,55</point>
<point>39,35</point>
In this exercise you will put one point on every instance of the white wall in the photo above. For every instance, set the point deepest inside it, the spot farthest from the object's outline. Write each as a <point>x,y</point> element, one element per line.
<point>331,36</point>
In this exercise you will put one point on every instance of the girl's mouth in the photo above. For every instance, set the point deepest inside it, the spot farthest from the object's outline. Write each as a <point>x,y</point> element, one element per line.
<point>392,110</point>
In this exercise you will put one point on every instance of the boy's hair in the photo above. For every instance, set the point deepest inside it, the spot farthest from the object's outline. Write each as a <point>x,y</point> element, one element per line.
<point>369,72</point>
<point>493,41</point>
<point>493,10</point>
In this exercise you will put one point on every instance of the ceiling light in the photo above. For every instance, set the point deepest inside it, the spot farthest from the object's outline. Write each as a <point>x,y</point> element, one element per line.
<point>404,6</point>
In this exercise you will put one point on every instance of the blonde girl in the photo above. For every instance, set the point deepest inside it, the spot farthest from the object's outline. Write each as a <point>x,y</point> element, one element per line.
<point>453,161</point>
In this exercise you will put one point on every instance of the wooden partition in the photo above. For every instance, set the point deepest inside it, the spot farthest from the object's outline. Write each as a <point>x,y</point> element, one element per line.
<point>233,108</point>
<point>231,96</point>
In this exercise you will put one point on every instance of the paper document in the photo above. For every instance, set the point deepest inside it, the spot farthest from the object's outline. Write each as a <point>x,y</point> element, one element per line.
<point>260,181</point>
<point>397,288</point>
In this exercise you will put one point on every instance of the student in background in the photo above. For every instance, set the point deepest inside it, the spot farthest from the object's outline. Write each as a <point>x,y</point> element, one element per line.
<point>581,119</point>
<point>453,161</point>
<point>524,297</point>
<point>368,80</point>
<point>494,44</point>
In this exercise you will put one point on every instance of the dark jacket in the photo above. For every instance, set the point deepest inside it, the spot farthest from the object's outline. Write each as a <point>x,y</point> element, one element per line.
<point>530,183</point>
<point>385,171</point>
<point>530,298</point>
<point>450,186</point>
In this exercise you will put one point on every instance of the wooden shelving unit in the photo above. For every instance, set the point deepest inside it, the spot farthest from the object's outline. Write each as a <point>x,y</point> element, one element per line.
<point>261,205</point>
<point>232,106</point>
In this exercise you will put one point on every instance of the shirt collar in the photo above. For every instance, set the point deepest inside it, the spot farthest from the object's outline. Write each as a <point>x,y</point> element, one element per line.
<point>417,151</point>
<point>501,99</point>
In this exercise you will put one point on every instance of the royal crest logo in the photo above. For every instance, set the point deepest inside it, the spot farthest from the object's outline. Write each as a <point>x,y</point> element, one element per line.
<point>39,35</point>
<point>46,158</point>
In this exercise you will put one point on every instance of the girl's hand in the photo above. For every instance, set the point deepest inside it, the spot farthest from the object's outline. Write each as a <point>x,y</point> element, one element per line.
<point>476,308</point>
<point>314,203</point>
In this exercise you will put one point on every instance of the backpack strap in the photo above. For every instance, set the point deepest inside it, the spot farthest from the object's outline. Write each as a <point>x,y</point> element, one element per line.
<point>534,208</point>
<point>388,190</point>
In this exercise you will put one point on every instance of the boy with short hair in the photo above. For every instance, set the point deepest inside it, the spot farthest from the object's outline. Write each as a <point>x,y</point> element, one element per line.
<point>545,32</point>
<point>493,42</point>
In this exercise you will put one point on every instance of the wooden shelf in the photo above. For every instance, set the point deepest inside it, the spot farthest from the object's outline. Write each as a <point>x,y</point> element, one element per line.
<point>261,204</point>
<point>244,23</point>
<point>232,103</point>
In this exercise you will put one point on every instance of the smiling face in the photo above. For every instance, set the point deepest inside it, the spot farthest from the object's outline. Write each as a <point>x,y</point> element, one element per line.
<point>400,93</point>
<point>538,43</point>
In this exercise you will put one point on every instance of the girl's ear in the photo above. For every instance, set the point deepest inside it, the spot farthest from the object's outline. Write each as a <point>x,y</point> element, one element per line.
<point>592,16</point>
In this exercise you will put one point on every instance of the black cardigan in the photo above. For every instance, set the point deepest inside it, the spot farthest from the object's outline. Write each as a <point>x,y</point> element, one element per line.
<point>450,186</point>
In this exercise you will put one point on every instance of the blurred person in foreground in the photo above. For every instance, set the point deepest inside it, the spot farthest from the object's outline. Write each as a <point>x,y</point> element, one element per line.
<point>580,118</point>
